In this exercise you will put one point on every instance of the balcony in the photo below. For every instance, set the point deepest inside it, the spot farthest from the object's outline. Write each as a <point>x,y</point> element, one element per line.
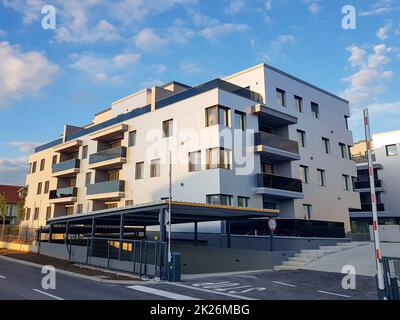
<point>107,190</point>
<point>279,187</point>
<point>63,195</point>
<point>276,148</point>
<point>66,169</point>
<point>367,207</point>
<point>273,118</point>
<point>112,158</point>
<point>359,185</point>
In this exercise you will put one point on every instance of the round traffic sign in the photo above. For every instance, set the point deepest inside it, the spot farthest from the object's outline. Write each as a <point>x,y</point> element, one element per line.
<point>272,224</point>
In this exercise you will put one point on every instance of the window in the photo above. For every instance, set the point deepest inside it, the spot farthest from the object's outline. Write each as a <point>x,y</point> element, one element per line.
<point>321,177</point>
<point>267,168</point>
<point>28,214</point>
<point>218,158</point>
<point>132,139</point>
<point>46,186</point>
<point>36,214</point>
<point>298,103</point>
<point>281,97</point>
<point>128,202</point>
<point>42,164</point>
<point>88,178</point>
<point>346,182</point>
<point>79,208</point>
<point>307,211</point>
<point>167,128</point>
<point>48,212</point>
<point>326,145</point>
<point>139,170</point>
<point>219,199</point>
<point>54,161</point>
<point>346,121</point>
<point>155,168</point>
<point>269,205</point>
<point>217,115</point>
<point>69,210</point>
<point>240,120</point>
<point>39,188</point>
<point>315,110</point>
<point>194,161</point>
<point>301,138</point>
<point>304,174</point>
<point>115,144</point>
<point>343,150</point>
<point>84,152</point>
<point>112,205</point>
<point>391,150</point>
<point>243,202</point>
<point>34,167</point>
<point>112,175</point>
<point>353,183</point>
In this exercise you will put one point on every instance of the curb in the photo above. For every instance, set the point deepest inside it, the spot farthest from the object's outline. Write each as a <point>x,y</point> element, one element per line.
<point>77,275</point>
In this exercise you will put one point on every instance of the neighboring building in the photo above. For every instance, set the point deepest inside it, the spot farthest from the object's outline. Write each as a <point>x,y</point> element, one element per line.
<point>386,159</point>
<point>13,197</point>
<point>289,151</point>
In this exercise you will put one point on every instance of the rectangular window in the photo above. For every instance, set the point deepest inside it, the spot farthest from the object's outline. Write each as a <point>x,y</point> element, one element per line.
<point>346,120</point>
<point>139,170</point>
<point>194,161</point>
<point>326,145</point>
<point>42,164</point>
<point>218,158</point>
<point>84,152</point>
<point>46,186</point>
<point>88,178</point>
<point>167,128</point>
<point>223,115</point>
<point>132,139</point>
<point>155,168</point>
<point>79,208</point>
<point>34,167</point>
<point>315,110</point>
<point>54,161</point>
<point>240,120</point>
<point>115,144</point>
<point>128,202</point>
<point>69,210</point>
<point>281,97</point>
<point>243,202</point>
<point>391,150</point>
<point>219,199</point>
<point>48,212</point>
<point>28,214</point>
<point>343,150</point>
<point>301,138</point>
<point>304,174</point>
<point>346,182</point>
<point>298,103</point>
<point>269,205</point>
<point>321,177</point>
<point>267,168</point>
<point>307,211</point>
<point>36,214</point>
<point>112,175</point>
<point>39,188</point>
<point>217,115</point>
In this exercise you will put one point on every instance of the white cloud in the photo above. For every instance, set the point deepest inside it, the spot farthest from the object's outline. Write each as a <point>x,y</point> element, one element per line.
<point>13,170</point>
<point>381,7</point>
<point>190,66</point>
<point>23,73</point>
<point>382,32</point>
<point>148,40</point>
<point>25,146</point>
<point>2,33</point>
<point>314,8</point>
<point>30,9</point>
<point>276,47</point>
<point>211,33</point>
<point>235,6</point>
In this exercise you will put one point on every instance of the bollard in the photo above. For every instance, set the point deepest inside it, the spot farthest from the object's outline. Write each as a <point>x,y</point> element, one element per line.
<point>175,267</point>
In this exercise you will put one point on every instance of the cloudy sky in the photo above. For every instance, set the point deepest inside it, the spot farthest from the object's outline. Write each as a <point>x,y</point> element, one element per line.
<point>103,50</point>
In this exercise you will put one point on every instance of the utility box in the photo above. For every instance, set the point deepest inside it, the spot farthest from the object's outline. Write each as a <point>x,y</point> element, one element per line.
<point>175,267</point>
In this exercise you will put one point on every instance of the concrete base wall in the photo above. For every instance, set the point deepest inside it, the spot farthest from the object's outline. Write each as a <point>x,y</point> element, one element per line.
<point>18,247</point>
<point>387,233</point>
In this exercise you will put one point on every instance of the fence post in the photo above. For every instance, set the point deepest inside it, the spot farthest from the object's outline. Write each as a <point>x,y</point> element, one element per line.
<point>108,254</point>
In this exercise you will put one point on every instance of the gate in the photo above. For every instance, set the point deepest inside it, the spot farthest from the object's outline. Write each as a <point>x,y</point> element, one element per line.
<point>391,268</point>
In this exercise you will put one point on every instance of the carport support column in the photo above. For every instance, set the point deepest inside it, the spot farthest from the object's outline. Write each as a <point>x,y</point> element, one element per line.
<point>228,234</point>
<point>196,234</point>
<point>50,233</point>
<point>162,224</point>
<point>66,232</point>
<point>121,235</point>
<point>93,235</point>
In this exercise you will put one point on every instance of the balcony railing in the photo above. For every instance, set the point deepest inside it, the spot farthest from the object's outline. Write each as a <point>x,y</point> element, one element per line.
<point>106,187</point>
<point>367,207</point>
<point>277,142</point>
<point>278,182</point>
<point>63,193</point>
<point>362,159</point>
<point>365,184</point>
<point>66,165</point>
<point>108,154</point>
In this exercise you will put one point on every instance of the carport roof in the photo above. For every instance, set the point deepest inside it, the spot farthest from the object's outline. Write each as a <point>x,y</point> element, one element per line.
<point>148,214</point>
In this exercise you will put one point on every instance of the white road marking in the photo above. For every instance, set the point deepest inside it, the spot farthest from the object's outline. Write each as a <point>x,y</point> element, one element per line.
<point>2,277</point>
<point>251,277</point>
<point>334,294</point>
<point>212,291</point>
<point>48,294</point>
<point>284,284</point>
<point>161,293</point>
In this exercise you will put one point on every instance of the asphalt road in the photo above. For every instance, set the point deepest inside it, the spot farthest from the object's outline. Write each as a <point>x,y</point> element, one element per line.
<point>19,281</point>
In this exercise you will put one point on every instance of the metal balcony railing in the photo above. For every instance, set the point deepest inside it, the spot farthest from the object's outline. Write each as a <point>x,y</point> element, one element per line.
<point>278,182</point>
<point>365,184</point>
<point>277,142</point>
<point>63,193</point>
<point>108,154</point>
<point>106,187</point>
<point>367,207</point>
<point>66,165</point>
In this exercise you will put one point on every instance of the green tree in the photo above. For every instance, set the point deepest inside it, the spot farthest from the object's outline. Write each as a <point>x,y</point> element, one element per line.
<point>3,212</point>
<point>21,207</point>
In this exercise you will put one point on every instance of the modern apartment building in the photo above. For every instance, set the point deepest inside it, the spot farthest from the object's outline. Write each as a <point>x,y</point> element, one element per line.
<point>386,159</point>
<point>259,138</point>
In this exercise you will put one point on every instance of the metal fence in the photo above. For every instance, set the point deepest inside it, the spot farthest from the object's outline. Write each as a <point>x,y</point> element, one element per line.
<point>17,234</point>
<point>391,267</point>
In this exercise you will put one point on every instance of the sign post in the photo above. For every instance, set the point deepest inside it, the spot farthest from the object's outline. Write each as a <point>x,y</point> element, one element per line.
<point>272,225</point>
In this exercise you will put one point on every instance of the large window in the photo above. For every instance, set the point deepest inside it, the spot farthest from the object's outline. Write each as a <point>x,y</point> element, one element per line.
<point>139,170</point>
<point>155,168</point>
<point>281,97</point>
<point>69,210</point>
<point>346,182</point>
<point>304,174</point>
<point>36,214</point>
<point>315,110</point>
<point>391,150</point>
<point>167,127</point>
<point>307,211</point>
<point>267,168</point>
<point>113,175</point>
<point>39,188</point>
<point>88,178</point>
<point>218,158</point>
<point>48,212</point>
<point>343,150</point>
<point>194,161</point>
<point>54,161</point>
<point>28,214</point>
<point>34,167</point>
<point>301,138</point>
<point>217,115</point>
<point>298,103</point>
<point>132,139</point>
<point>219,199</point>
<point>240,120</point>
<point>42,164</point>
<point>321,177</point>
<point>243,202</point>
<point>84,152</point>
<point>46,186</point>
<point>326,145</point>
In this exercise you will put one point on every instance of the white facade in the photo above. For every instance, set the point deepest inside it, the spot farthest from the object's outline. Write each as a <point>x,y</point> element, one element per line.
<point>186,107</point>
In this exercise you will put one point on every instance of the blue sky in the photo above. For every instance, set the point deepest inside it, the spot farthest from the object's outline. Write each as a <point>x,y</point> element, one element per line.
<point>103,50</point>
